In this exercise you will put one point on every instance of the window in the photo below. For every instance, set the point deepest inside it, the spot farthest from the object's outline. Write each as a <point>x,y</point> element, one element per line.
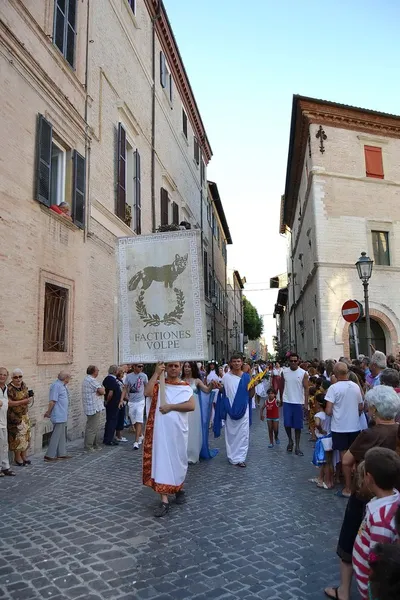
<point>132,4</point>
<point>184,123</point>
<point>380,244</point>
<point>224,254</point>
<point>64,35</point>
<point>203,171</point>
<point>373,162</point>
<point>205,272</point>
<point>175,213</point>
<point>164,207</point>
<point>196,151</point>
<point>314,334</point>
<point>166,77</point>
<point>120,205</point>
<point>52,173</point>
<point>55,318</point>
<point>133,189</point>
<point>209,212</point>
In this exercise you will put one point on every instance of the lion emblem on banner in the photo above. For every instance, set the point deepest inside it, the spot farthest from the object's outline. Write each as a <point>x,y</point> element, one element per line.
<point>166,274</point>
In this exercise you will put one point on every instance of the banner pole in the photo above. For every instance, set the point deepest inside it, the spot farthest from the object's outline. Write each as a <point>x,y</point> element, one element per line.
<point>163,400</point>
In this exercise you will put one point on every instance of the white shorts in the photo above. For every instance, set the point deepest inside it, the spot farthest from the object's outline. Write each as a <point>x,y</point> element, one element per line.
<point>136,411</point>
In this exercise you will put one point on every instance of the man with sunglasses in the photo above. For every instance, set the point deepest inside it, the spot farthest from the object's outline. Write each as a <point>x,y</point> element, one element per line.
<point>134,390</point>
<point>295,397</point>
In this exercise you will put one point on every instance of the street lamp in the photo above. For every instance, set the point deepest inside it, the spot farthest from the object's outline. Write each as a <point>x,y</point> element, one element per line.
<point>364,268</point>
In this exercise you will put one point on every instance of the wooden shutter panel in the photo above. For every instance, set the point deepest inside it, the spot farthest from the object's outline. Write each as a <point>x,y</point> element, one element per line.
<point>175,213</point>
<point>196,151</point>
<point>78,191</point>
<point>138,195</point>
<point>43,172</point>
<point>163,70</point>
<point>373,162</point>
<point>171,89</point>
<point>164,207</point>
<point>121,185</point>
<point>205,272</point>
<point>184,124</point>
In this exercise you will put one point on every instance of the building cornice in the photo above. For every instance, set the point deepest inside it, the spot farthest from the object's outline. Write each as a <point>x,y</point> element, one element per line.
<point>307,111</point>
<point>170,48</point>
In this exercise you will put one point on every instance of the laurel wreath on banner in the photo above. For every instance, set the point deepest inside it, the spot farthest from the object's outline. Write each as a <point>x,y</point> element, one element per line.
<point>171,318</point>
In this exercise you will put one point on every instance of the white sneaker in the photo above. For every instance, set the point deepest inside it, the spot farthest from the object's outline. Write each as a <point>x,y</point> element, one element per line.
<point>123,439</point>
<point>140,440</point>
<point>135,446</point>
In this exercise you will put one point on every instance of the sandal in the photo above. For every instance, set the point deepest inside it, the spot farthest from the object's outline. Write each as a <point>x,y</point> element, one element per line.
<point>180,497</point>
<point>27,462</point>
<point>242,465</point>
<point>2,474</point>
<point>289,447</point>
<point>161,510</point>
<point>336,592</point>
<point>19,464</point>
<point>299,452</point>
<point>8,473</point>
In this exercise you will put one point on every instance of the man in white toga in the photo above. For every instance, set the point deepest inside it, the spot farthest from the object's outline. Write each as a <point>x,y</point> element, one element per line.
<point>233,406</point>
<point>295,398</point>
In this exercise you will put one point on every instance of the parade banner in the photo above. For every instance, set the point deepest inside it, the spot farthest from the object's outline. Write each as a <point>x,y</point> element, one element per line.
<point>162,311</point>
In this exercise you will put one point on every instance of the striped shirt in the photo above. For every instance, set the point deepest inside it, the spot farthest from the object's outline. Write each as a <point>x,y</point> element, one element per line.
<point>92,402</point>
<point>378,526</point>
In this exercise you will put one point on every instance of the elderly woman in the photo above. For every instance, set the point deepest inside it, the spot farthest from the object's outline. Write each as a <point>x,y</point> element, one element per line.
<point>383,406</point>
<point>18,424</point>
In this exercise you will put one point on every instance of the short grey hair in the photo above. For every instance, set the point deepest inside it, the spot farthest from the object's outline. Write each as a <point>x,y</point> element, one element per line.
<point>17,372</point>
<point>385,400</point>
<point>63,375</point>
<point>113,370</point>
<point>379,359</point>
<point>390,377</point>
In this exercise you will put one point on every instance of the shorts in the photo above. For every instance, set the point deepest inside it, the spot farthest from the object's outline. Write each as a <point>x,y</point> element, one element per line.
<point>293,415</point>
<point>136,412</point>
<point>272,419</point>
<point>351,524</point>
<point>343,441</point>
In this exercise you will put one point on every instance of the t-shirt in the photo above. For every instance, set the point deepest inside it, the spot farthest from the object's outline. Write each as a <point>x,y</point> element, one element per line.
<point>378,526</point>
<point>325,424</point>
<point>3,408</point>
<point>294,390</point>
<point>111,384</point>
<point>59,395</point>
<point>382,435</point>
<point>135,383</point>
<point>345,397</point>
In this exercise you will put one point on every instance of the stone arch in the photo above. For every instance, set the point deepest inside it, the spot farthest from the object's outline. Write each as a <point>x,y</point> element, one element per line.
<point>392,339</point>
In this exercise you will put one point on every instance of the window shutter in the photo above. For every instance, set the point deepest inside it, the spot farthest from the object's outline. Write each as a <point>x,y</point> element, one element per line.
<point>205,272</point>
<point>121,185</point>
<point>43,173</point>
<point>373,162</point>
<point>184,124</point>
<point>175,213</point>
<point>163,70</point>
<point>78,190</point>
<point>138,195</point>
<point>171,88</point>
<point>164,207</point>
<point>196,150</point>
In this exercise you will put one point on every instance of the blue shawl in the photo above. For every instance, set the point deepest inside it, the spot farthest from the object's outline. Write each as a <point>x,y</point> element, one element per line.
<point>205,401</point>
<point>239,406</point>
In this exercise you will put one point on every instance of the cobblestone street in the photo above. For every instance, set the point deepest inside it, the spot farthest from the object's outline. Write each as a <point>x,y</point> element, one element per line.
<point>84,529</point>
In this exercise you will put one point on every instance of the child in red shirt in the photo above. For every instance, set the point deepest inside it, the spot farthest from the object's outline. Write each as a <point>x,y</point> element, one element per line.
<point>271,408</point>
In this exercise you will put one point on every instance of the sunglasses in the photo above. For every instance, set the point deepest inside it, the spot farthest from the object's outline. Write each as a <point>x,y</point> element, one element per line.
<point>140,366</point>
<point>17,377</point>
<point>293,361</point>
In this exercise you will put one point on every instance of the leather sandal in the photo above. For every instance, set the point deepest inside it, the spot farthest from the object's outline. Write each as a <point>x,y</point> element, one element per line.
<point>8,473</point>
<point>161,510</point>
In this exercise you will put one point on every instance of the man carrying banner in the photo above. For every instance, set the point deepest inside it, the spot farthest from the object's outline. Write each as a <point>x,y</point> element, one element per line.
<point>165,460</point>
<point>234,406</point>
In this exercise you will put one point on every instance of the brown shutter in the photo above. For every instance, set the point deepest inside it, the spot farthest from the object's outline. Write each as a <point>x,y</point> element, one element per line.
<point>163,70</point>
<point>138,195</point>
<point>184,123</point>
<point>175,213</point>
<point>205,272</point>
<point>373,162</point>
<point>78,191</point>
<point>43,172</point>
<point>121,185</point>
<point>164,207</point>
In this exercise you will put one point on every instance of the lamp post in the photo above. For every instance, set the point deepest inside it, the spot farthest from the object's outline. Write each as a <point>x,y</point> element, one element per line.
<point>364,268</point>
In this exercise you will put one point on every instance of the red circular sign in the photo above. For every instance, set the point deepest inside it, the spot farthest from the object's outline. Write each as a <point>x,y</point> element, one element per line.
<point>351,311</point>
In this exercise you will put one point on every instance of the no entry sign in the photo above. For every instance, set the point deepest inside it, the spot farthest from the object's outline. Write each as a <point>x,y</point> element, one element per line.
<point>352,311</point>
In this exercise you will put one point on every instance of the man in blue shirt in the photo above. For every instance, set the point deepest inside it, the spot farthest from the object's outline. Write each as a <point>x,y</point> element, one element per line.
<point>57,412</point>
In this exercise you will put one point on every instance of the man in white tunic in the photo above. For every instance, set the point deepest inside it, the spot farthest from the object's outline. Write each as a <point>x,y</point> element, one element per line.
<point>165,460</point>
<point>233,406</point>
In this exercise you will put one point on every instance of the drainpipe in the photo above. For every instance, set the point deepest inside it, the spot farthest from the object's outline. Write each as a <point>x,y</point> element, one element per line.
<point>87,142</point>
<point>153,122</point>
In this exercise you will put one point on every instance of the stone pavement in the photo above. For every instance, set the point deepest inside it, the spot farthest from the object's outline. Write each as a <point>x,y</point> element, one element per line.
<point>84,528</point>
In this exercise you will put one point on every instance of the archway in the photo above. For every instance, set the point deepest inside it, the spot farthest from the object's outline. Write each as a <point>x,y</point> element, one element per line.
<point>378,338</point>
<point>390,337</point>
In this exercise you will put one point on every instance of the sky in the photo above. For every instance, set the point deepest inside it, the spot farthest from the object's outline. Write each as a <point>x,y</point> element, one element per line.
<point>245,60</point>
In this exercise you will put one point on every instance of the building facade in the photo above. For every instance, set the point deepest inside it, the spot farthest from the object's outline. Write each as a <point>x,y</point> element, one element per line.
<point>234,296</point>
<point>341,198</point>
<point>96,111</point>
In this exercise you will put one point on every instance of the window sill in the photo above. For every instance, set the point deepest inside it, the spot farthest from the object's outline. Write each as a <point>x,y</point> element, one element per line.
<point>59,218</point>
